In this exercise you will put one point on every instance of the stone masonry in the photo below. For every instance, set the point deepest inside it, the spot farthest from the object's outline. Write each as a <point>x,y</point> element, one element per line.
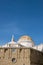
<point>20,56</point>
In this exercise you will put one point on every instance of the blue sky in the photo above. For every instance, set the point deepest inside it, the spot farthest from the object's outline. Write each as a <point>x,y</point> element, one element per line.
<point>21,17</point>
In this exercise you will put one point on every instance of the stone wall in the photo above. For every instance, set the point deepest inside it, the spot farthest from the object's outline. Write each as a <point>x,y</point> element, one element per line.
<point>36,57</point>
<point>20,56</point>
<point>14,56</point>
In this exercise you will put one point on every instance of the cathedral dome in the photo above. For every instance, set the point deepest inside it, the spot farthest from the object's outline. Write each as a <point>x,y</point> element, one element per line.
<point>24,38</point>
<point>26,41</point>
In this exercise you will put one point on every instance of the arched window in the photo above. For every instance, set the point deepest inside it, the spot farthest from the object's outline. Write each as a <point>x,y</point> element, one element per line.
<point>13,50</point>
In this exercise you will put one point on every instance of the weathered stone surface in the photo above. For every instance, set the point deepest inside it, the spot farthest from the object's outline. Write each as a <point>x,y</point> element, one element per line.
<point>36,57</point>
<point>20,56</point>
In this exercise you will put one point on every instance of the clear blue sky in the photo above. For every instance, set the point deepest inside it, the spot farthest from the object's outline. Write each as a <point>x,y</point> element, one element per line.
<point>21,17</point>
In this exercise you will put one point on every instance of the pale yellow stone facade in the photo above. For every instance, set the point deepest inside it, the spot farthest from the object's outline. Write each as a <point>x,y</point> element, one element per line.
<point>20,56</point>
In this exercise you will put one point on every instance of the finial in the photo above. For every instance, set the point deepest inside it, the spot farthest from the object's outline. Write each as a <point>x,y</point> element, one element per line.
<point>12,40</point>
